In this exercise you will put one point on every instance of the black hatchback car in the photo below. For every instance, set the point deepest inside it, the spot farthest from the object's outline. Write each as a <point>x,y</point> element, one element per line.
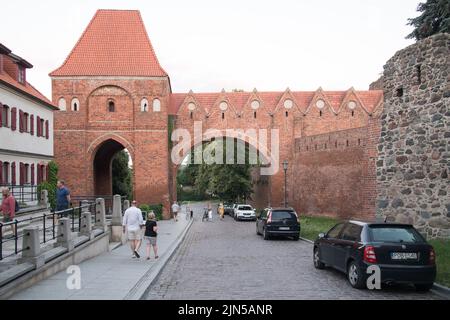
<point>400,251</point>
<point>278,222</point>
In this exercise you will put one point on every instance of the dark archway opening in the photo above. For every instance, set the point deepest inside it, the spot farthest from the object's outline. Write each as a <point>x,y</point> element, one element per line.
<point>103,168</point>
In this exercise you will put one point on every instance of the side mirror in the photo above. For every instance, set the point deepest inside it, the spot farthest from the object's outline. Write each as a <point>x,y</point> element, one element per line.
<point>322,236</point>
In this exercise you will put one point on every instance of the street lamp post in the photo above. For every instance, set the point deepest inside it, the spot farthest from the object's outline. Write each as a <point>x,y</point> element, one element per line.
<point>285,167</point>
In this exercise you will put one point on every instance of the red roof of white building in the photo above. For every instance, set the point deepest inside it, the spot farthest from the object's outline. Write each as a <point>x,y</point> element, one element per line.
<point>115,43</point>
<point>25,87</point>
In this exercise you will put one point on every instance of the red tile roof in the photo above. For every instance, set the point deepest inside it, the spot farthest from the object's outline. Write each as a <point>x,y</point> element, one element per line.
<point>370,99</point>
<point>115,43</point>
<point>27,89</point>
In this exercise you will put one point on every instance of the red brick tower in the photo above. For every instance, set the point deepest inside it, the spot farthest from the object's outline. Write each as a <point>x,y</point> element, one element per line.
<point>114,95</point>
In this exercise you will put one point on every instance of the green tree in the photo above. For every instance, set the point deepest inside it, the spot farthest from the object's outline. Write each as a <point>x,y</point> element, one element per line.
<point>228,182</point>
<point>187,174</point>
<point>435,18</point>
<point>50,184</point>
<point>121,175</point>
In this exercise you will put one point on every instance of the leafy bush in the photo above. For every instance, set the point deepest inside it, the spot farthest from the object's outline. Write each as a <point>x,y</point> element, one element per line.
<point>50,184</point>
<point>156,208</point>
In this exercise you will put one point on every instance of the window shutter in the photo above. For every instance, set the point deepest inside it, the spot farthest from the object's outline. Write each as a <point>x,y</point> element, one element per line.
<point>38,126</point>
<point>1,117</point>
<point>21,172</point>
<point>21,121</point>
<point>13,173</point>
<point>32,174</point>
<point>1,172</point>
<point>46,129</point>
<point>32,125</point>
<point>39,174</point>
<point>47,172</point>
<point>13,119</point>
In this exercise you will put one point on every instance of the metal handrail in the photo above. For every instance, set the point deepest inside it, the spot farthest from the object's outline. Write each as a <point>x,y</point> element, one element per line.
<point>23,193</point>
<point>73,213</point>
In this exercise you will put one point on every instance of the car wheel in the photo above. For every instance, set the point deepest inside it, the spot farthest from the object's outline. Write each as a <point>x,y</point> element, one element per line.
<point>355,276</point>
<point>265,234</point>
<point>317,263</point>
<point>423,287</point>
<point>296,238</point>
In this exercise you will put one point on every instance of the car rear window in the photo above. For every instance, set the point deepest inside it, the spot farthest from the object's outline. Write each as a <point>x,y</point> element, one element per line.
<point>283,215</point>
<point>396,234</point>
<point>245,208</point>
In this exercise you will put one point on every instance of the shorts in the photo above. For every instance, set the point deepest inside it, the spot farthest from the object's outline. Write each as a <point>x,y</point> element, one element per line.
<point>134,235</point>
<point>151,241</point>
<point>175,213</point>
<point>7,218</point>
<point>64,211</point>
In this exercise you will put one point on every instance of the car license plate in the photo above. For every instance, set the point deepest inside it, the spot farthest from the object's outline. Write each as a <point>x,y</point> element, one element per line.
<point>285,228</point>
<point>404,256</point>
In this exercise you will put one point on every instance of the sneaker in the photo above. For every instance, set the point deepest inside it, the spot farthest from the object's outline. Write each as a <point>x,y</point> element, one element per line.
<point>137,254</point>
<point>148,258</point>
<point>133,256</point>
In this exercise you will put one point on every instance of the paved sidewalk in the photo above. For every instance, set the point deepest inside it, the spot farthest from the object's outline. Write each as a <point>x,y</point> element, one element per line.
<point>113,275</point>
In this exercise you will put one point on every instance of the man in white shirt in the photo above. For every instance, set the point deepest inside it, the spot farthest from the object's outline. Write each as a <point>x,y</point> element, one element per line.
<point>175,209</point>
<point>132,224</point>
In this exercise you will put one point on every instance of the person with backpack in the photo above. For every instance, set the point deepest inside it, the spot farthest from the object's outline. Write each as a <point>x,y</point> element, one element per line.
<point>8,209</point>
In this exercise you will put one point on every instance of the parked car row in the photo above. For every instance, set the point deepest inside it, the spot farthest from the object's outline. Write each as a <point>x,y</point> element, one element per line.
<point>400,252</point>
<point>240,211</point>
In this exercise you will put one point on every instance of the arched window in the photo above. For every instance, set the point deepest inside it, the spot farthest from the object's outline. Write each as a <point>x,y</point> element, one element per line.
<point>62,104</point>
<point>75,105</point>
<point>111,106</point>
<point>144,105</point>
<point>156,105</point>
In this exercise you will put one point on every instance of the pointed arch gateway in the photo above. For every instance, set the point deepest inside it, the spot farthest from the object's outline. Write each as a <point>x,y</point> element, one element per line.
<point>102,153</point>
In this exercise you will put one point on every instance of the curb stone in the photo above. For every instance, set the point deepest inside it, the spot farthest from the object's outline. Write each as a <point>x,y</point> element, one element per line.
<point>307,240</point>
<point>441,291</point>
<point>140,289</point>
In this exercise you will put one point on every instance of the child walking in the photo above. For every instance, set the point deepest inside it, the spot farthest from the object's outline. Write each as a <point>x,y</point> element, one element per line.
<point>151,232</point>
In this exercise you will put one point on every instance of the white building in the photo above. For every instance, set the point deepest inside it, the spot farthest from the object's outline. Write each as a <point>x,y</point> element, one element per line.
<point>26,129</point>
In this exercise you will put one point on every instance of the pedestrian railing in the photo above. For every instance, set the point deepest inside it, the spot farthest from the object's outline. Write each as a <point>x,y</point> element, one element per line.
<point>109,200</point>
<point>11,242</point>
<point>23,193</point>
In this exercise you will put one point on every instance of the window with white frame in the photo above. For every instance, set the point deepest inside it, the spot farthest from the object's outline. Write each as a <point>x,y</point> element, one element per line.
<point>156,105</point>
<point>5,116</point>
<point>5,173</point>
<point>144,105</point>
<point>62,104</point>
<point>75,105</point>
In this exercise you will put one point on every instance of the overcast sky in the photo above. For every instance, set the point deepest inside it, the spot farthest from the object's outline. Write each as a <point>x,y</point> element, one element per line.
<point>207,45</point>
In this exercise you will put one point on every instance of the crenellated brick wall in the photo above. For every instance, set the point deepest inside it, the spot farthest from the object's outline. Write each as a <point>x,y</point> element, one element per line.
<point>332,175</point>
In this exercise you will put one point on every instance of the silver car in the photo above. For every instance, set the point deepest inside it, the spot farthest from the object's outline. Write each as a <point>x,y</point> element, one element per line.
<point>244,212</point>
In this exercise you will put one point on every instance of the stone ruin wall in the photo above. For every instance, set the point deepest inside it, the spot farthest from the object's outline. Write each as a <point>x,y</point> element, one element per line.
<point>413,150</point>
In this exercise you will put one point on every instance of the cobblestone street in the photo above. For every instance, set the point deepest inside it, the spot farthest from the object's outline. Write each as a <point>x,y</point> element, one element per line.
<point>227,260</point>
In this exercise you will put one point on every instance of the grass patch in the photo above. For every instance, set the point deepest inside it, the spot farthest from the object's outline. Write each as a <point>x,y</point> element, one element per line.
<point>312,226</point>
<point>442,248</point>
